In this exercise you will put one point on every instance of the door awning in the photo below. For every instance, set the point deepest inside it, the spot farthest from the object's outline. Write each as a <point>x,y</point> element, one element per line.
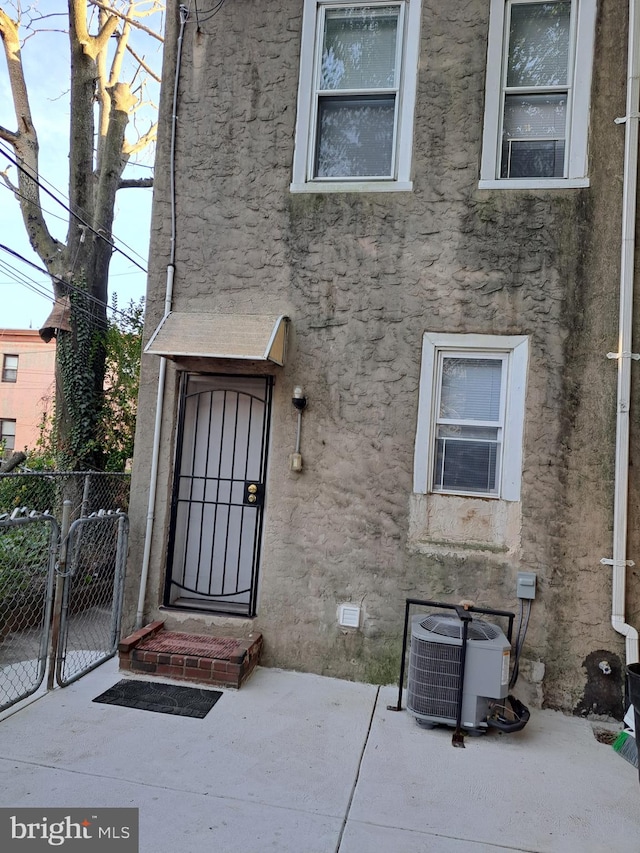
<point>254,337</point>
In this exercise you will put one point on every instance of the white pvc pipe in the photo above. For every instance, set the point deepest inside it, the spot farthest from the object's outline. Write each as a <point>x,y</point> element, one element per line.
<point>629,201</point>
<point>168,299</point>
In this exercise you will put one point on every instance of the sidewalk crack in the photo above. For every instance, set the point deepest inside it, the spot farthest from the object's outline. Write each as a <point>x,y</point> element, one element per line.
<point>355,781</point>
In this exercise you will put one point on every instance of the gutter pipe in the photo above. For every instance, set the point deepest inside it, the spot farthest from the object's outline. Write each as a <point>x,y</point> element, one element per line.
<point>625,355</point>
<point>155,450</point>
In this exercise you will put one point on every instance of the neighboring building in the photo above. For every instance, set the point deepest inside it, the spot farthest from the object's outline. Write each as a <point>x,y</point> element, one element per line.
<point>431,193</point>
<point>27,387</point>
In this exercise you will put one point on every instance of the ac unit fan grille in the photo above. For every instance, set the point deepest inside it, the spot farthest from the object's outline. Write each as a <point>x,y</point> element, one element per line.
<point>451,626</point>
<point>434,678</point>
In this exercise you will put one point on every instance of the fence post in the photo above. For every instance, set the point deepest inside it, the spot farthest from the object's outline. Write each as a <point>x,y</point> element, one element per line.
<point>85,496</point>
<point>61,572</point>
<point>118,580</point>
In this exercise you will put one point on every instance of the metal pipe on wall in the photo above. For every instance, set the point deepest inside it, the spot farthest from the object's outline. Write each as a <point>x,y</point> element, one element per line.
<point>625,355</point>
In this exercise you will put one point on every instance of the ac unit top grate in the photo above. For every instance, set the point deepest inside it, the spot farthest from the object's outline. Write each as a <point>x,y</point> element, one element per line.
<point>451,626</point>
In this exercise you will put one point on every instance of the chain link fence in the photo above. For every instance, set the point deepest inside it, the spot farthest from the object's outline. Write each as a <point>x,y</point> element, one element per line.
<point>28,549</point>
<point>88,491</point>
<point>73,527</point>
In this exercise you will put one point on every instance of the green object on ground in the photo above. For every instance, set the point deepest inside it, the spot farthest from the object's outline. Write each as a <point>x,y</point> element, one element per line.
<point>626,746</point>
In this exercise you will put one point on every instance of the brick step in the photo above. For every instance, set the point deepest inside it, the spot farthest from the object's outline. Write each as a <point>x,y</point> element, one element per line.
<point>219,661</point>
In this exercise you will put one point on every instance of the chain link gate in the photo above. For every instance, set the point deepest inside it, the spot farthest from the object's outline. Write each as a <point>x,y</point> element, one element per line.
<point>61,591</point>
<point>93,570</point>
<point>28,552</point>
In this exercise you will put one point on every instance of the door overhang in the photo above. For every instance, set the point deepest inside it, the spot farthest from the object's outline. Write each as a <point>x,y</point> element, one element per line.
<point>247,337</point>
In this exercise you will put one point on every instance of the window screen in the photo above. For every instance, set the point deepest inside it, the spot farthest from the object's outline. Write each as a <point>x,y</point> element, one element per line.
<point>534,126</point>
<point>469,424</point>
<point>357,92</point>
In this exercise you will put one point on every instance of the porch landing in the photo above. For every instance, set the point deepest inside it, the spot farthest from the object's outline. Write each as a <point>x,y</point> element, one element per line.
<point>219,661</point>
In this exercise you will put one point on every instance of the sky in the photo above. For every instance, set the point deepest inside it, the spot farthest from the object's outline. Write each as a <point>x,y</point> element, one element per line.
<point>21,307</point>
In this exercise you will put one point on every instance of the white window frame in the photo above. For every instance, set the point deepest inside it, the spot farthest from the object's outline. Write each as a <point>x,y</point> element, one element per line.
<point>583,13</point>
<point>311,45</point>
<point>515,350</point>
<point>4,436</point>
<point>10,367</point>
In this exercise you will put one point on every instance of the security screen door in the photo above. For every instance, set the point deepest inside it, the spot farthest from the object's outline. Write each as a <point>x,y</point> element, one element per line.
<point>216,519</point>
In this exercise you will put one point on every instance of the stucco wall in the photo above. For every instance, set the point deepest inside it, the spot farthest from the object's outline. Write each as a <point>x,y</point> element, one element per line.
<point>363,276</point>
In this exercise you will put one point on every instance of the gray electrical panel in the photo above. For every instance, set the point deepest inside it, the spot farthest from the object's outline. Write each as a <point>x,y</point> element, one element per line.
<point>526,585</point>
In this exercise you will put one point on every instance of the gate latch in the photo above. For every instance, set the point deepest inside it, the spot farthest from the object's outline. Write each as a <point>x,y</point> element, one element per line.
<point>253,493</point>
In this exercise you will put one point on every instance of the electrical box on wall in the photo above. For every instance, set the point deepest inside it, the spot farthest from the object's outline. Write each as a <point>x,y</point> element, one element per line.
<point>526,585</point>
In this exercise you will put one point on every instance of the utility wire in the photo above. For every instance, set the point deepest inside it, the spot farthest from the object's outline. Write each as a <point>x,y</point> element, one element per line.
<point>208,12</point>
<point>20,195</point>
<point>41,180</point>
<point>68,209</point>
<point>72,287</point>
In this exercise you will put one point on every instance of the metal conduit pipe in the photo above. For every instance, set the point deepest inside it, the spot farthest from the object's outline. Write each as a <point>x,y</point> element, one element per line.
<point>168,299</point>
<point>624,355</point>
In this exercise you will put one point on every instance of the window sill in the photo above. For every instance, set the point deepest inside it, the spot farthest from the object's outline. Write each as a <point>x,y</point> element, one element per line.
<point>352,187</point>
<point>534,184</point>
<point>481,495</point>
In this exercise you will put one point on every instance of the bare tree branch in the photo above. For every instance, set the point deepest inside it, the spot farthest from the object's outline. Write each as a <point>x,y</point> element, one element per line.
<point>118,57</point>
<point>8,135</point>
<point>131,183</point>
<point>143,64</point>
<point>146,139</point>
<point>133,21</point>
<point>7,180</point>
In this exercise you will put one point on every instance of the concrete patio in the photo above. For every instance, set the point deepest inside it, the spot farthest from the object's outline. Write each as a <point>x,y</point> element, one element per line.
<point>297,763</point>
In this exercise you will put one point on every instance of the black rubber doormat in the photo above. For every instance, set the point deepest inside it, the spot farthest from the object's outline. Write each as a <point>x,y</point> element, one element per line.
<point>163,698</point>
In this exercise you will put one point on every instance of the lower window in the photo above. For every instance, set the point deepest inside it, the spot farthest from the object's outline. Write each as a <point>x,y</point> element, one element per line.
<point>7,435</point>
<point>471,415</point>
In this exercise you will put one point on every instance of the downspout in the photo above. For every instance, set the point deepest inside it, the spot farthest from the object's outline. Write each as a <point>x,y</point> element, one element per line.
<point>625,355</point>
<point>155,450</point>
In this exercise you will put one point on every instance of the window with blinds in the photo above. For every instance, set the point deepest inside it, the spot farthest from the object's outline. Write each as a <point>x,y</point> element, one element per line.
<point>356,96</point>
<point>357,91</point>
<point>469,423</point>
<point>538,85</point>
<point>536,90</point>
<point>471,408</point>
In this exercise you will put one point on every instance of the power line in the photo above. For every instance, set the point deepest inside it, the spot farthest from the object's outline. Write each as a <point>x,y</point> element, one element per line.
<point>20,195</point>
<point>68,209</point>
<point>7,269</point>
<point>41,180</point>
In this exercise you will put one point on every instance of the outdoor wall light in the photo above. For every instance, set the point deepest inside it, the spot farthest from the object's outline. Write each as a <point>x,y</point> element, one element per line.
<point>299,403</point>
<point>299,400</point>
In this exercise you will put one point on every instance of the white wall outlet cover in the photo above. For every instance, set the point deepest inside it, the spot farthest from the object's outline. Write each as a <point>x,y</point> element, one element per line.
<point>349,615</point>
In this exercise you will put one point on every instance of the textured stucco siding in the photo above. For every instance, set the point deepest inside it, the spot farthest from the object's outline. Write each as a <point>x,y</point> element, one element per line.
<point>363,277</point>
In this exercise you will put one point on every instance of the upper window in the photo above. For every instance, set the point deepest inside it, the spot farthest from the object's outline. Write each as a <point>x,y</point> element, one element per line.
<point>10,368</point>
<point>471,415</point>
<point>537,100</point>
<point>356,97</point>
<point>7,434</point>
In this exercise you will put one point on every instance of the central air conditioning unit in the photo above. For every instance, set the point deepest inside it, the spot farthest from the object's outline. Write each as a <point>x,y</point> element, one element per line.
<point>433,680</point>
